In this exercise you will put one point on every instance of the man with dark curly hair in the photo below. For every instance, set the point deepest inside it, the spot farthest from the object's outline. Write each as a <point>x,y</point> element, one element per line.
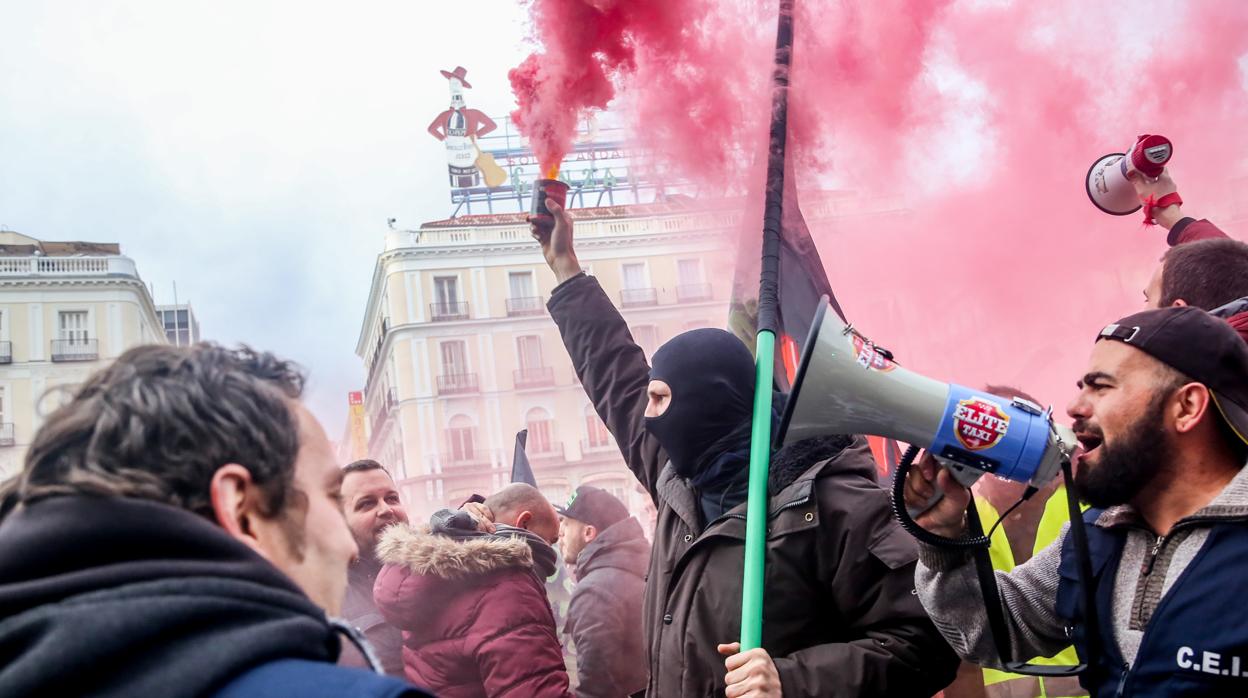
<point>177,531</point>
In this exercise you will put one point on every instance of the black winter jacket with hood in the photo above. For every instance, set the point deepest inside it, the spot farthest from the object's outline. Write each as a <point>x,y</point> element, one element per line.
<point>840,616</point>
<point>107,596</point>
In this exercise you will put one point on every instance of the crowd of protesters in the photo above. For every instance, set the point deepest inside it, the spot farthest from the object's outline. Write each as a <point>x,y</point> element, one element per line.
<point>182,528</point>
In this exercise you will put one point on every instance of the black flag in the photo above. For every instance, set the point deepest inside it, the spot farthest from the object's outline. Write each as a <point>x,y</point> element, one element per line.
<point>802,281</point>
<point>521,471</point>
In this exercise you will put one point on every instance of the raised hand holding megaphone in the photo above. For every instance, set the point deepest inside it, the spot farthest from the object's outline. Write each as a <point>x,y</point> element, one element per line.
<point>1109,181</point>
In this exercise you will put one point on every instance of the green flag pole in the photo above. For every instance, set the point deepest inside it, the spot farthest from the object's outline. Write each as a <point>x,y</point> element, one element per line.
<point>765,344</point>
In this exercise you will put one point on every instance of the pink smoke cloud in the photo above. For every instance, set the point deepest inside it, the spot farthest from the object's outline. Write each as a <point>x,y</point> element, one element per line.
<point>980,116</point>
<point>588,47</point>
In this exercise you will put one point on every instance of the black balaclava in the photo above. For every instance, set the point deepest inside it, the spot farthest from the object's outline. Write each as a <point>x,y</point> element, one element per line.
<point>706,427</point>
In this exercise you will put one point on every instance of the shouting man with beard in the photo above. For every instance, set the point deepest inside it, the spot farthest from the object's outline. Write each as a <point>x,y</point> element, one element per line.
<point>1162,419</point>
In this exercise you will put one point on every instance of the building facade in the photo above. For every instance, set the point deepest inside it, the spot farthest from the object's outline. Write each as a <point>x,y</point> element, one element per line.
<point>66,309</point>
<point>460,352</point>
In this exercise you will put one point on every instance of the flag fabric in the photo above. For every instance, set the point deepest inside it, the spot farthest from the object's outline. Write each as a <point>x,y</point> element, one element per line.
<point>887,453</point>
<point>521,471</point>
<point>802,282</point>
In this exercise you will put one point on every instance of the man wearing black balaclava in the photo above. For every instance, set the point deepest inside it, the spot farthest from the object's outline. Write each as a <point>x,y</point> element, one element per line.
<point>705,428</point>
<point>839,616</point>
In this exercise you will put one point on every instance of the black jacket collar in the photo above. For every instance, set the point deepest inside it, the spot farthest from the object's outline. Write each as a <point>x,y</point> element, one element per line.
<point>116,596</point>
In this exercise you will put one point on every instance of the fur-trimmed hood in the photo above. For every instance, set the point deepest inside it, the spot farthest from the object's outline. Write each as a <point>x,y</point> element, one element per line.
<point>428,554</point>
<point>472,608</point>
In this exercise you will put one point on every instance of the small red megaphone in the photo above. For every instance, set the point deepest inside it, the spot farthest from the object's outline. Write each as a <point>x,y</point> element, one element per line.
<point>1109,183</point>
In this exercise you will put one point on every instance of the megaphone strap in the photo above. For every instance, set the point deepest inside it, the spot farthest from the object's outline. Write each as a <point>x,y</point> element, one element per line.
<point>1152,205</point>
<point>992,596</point>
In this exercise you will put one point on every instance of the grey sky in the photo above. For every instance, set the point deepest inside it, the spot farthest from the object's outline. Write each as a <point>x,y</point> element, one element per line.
<point>249,151</point>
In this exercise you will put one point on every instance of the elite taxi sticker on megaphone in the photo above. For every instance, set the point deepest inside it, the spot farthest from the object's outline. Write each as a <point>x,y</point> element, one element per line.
<point>867,355</point>
<point>979,424</point>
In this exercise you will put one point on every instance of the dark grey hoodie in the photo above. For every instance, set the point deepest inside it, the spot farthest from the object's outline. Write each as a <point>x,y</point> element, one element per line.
<point>604,616</point>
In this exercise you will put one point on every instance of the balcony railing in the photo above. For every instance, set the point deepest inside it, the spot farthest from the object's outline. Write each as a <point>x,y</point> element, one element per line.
<point>659,218</point>
<point>693,292</point>
<point>75,349</point>
<point>386,407</point>
<point>463,459</point>
<point>7,437</point>
<point>590,446</point>
<point>67,266</point>
<point>481,465</point>
<point>638,297</point>
<point>529,305</point>
<point>442,312</point>
<point>6,352</point>
<point>537,450</point>
<point>539,377</point>
<point>458,384</point>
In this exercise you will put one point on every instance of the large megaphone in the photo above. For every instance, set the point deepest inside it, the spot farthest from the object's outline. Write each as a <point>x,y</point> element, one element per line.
<point>845,384</point>
<point>1109,183</point>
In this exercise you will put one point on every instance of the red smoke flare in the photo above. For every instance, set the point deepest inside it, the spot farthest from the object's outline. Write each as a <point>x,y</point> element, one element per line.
<point>974,120</point>
<point>591,46</point>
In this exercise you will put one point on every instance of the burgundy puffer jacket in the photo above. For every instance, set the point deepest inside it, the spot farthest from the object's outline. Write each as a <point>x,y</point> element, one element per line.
<point>475,619</point>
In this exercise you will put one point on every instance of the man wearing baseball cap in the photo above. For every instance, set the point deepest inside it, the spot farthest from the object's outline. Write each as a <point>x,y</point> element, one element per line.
<point>1162,421</point>
<point>609,554</point>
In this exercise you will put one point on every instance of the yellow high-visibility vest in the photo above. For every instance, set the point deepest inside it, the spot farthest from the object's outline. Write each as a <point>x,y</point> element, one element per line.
<point>1055,514</point>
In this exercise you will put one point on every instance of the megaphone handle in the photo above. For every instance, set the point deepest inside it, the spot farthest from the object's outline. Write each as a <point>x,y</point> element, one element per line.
<point>932,501</point>
<point>963,475</point>
<point>906,519</point>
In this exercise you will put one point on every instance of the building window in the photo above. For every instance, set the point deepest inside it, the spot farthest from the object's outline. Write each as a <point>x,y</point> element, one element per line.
<point>446,289</point>
<point>456,378</point>
<point>690,283</point>
<point>454,358</point>
<point>556,493</point>
<point>636,290</point>
<point>532,373</point>
<point>460,436</point>
<point>6,347</point>
<point>447,304</point>
<point>634,275</point>
<point>7,436</point>
<point>177,327</point>
<point>541,431</point>
<point>523,298</point>
<point>689,271</point>
<point>599,437</point>
<point>73,327</point>
<point>521,284</point>
<point>73,342</point>
<point>647,337</point>
<point>529,348</point>
<point>615,488</point>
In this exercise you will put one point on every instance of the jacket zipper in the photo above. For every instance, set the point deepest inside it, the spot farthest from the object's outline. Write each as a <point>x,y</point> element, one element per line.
<point>1157,545</point>
<point>1152,556</point>
<point>791,505</point>
<point>1146,572</point>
